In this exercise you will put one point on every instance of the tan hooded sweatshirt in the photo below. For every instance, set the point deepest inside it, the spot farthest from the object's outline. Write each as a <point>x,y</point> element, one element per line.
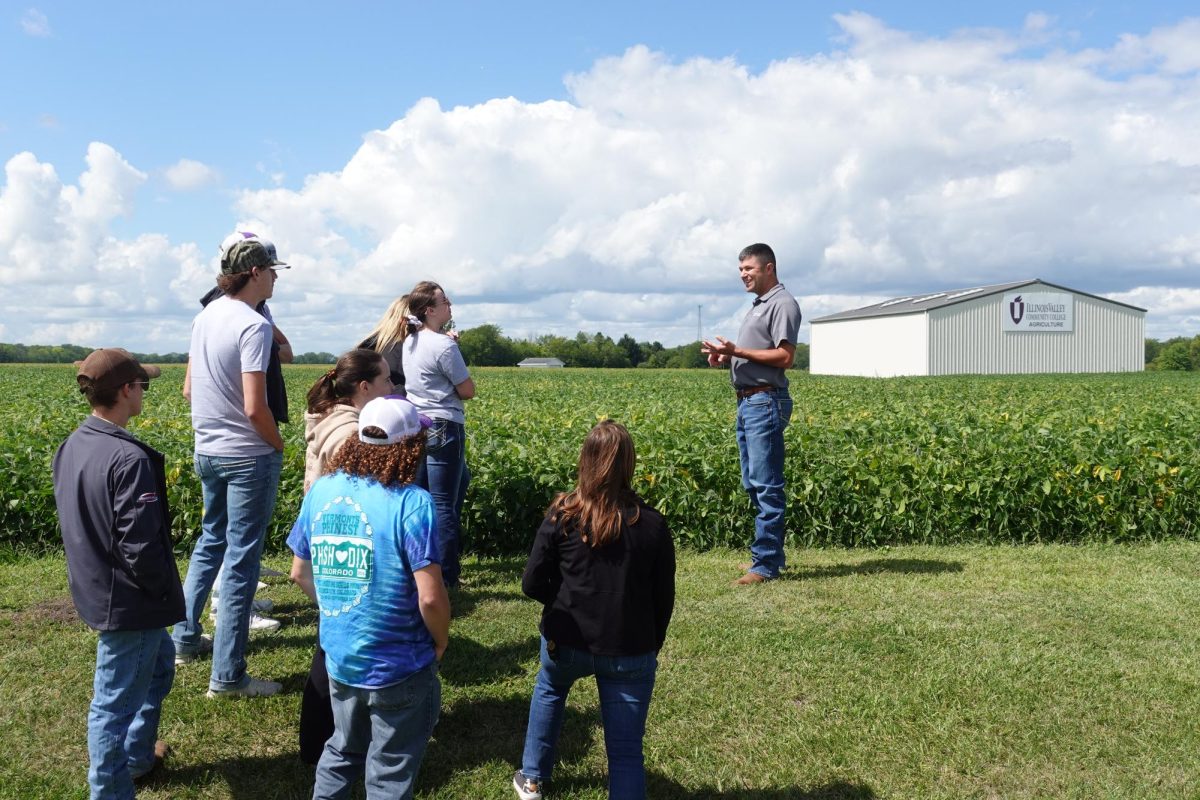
<point>323,435</point>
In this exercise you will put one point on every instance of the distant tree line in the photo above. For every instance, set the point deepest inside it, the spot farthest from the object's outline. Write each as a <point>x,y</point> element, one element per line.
<point>70,353</point>
<point>1182,353</point>
<point>484,346</point>
<point>487,346</point>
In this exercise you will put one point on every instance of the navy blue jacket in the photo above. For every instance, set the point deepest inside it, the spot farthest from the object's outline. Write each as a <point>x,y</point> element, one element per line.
<point>111,493</point>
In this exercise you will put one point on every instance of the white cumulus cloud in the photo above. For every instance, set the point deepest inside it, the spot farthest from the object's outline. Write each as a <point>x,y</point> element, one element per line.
<point>186,175</point>
<point>890,164</point>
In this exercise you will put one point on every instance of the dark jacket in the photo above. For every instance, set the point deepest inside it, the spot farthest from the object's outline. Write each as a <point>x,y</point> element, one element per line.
<point>614,600</point>
<point>393,358</point>
<point>111,493</point>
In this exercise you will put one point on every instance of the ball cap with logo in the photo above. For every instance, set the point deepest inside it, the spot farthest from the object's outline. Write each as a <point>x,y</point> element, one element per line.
<point>112,367</point>
<point>242,251</point>
<point>396,416</point>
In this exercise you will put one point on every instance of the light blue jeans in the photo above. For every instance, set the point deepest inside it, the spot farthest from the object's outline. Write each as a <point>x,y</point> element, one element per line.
<point>445,475</point>
<point>383,732</point>
<point>239,496</point>
<point>134,672</point>
<point>761,419</point>
<point>625,684</point>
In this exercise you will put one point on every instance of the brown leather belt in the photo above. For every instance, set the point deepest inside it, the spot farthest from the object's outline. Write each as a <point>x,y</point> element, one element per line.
<point>744,393</point>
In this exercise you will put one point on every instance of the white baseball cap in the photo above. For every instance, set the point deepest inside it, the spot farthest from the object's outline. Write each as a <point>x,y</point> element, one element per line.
<point>395,415</point>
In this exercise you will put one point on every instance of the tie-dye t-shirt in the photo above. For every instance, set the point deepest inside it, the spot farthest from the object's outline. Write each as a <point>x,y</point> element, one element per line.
<point>364,542</point>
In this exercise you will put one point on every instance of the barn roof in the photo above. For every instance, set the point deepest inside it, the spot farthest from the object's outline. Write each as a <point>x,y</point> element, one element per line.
<point>920,303</point>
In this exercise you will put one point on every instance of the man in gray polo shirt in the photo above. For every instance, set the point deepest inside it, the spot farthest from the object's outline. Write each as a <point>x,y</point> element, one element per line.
<point>765,348</point>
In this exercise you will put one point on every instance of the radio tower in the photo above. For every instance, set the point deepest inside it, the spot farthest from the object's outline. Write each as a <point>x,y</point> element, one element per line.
<point>698,336</point>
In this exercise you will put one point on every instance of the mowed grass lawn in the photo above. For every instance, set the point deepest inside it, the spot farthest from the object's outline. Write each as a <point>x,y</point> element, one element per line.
<point>953,672</point>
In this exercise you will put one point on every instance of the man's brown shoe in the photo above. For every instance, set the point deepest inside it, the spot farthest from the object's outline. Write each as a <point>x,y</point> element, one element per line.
<point>750,578</point>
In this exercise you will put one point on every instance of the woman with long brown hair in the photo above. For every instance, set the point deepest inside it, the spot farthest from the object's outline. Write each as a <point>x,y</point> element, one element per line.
<point>334,401</point>
<point>603,567</point>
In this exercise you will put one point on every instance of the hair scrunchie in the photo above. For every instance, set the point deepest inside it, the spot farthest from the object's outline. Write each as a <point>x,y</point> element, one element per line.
<point>414,323</point>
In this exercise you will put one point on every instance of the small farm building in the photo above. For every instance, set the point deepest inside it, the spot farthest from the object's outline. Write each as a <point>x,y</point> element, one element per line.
<point>541,362</point>
<point>1022,327</point>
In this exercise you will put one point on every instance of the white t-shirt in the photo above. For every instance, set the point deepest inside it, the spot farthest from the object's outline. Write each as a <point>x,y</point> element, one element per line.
<point>433,366</point>
<point>228,339</point>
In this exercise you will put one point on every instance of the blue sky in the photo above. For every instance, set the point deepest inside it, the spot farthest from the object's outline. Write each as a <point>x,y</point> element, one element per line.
<point>594,198</point>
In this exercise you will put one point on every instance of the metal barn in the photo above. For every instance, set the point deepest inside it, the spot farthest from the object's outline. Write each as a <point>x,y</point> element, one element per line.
<point>1021,327</point>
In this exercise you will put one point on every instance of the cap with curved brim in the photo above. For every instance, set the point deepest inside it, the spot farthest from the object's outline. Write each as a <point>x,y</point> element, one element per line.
<point>396,416</point>
<point>247,254</point>
<point>111,367</point>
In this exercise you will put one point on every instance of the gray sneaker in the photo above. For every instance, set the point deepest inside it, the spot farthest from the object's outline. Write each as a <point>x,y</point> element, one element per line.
<point>260,605</point>
<point>253,688</point>
<point>203,648</point>
<point>527,788</point>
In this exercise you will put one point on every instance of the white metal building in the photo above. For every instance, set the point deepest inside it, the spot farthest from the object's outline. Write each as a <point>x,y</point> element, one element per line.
<point>543,363</point>
<point>1020,327</point>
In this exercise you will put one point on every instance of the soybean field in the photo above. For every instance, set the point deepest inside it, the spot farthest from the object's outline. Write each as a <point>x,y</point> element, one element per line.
<point>965,459</point>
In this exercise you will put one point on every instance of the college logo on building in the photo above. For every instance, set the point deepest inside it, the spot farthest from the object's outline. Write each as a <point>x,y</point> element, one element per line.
<point>1016,310</point>
<point>1047,312</point>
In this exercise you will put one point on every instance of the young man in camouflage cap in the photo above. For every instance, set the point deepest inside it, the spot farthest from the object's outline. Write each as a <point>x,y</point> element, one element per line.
<point>239,452</point>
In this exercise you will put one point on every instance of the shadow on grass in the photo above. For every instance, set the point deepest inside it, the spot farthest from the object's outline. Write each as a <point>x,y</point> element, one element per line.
<point>478,732</point>
<point>468,663</point>
<point>247,778</point>
<point>875,566</point>
<point>658,786</point>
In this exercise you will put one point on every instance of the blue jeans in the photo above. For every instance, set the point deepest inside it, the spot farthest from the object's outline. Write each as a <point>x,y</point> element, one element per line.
<point>761,419</point>
<point>134,672</point>
<point>625,684</point>
<point>239,496</point>
<point>444,473</point>
<point>384,731</point>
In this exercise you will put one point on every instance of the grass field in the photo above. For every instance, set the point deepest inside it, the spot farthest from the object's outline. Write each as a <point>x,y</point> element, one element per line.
<point>914,672</point>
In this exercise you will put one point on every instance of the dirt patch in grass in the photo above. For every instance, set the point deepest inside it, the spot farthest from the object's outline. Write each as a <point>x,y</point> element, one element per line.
<point>54,611</point>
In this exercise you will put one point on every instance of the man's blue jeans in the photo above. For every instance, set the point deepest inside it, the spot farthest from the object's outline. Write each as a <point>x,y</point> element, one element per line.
<point>625,684</point>
<point>382,731</point>
<point>444,474</point>
<point>239,496</point>
<point>134,672</point>
<point>761,419</point>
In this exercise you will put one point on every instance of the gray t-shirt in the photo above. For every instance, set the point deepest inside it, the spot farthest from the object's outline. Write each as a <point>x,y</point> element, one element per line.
<point>773,319</point>
<point>228,339</point>
<point>433,366</point>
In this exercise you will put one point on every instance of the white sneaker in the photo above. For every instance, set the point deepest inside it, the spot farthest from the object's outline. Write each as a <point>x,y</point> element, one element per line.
<point>253,688</point>
<point>260,623</point>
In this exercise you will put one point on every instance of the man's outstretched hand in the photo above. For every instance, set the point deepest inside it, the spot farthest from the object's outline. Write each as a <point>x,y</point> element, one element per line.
<point>718,352</point>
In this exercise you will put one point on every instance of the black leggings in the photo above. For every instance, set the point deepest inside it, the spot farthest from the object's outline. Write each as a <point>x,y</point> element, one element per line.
<point>316,712</point>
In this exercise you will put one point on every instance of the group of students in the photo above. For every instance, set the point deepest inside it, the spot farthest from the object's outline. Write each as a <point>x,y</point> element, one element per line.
<point>376,545</point>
